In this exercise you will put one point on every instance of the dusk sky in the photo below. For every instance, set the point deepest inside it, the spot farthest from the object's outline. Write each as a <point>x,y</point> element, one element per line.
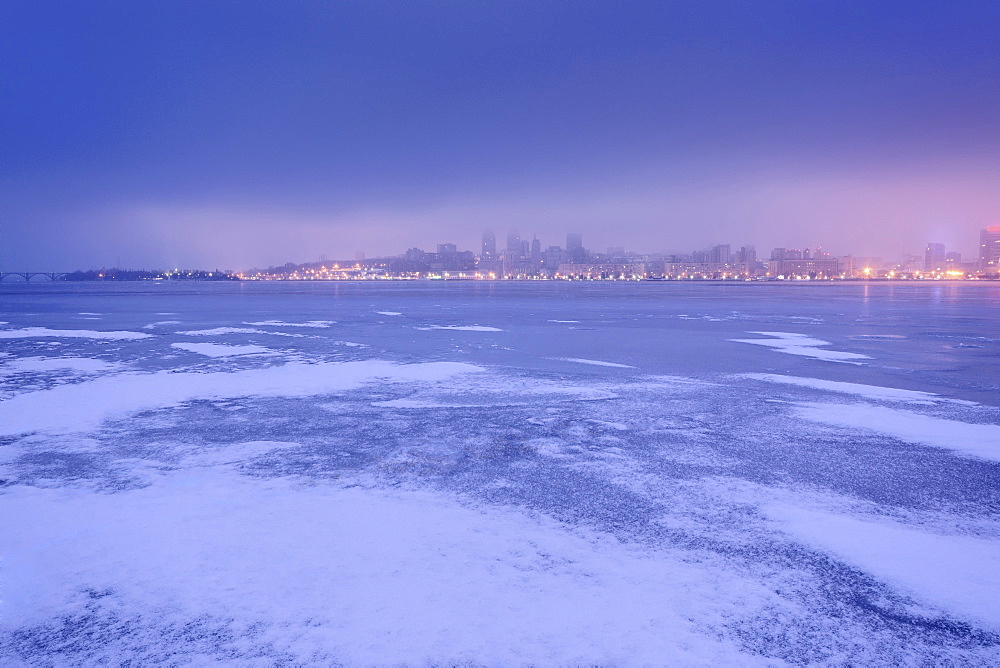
<point>239,134</point>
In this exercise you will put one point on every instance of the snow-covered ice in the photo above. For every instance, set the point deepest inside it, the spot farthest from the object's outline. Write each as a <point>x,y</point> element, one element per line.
<point>960,574</point>
<point>83,406</point>
<point>643,491</point>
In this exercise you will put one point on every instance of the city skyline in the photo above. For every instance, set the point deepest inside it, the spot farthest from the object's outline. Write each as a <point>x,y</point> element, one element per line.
<point>189,134</point>
<point>520,258</point>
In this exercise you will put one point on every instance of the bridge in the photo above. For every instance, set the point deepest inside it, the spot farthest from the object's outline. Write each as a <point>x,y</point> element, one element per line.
<point>28,275</point>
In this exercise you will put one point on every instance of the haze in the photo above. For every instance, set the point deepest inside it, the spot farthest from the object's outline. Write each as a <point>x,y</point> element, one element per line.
<point>194,134</point>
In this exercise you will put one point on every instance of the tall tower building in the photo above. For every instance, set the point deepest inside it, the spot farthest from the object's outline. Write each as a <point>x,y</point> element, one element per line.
<point>514,246</point>
<point>574,246</point>
<point>489,250</point>
<point>536,249</point>
<point>989,249</point>
<point>934,257</point>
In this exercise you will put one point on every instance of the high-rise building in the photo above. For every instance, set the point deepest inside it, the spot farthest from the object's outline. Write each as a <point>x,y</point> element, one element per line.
<point>747,255</point>
<point>489,249</point>
<point>536,249</point>
<point>574,246</point>
<point>934,257</point>
<point>447,248</point>
<point>514,246</point>
<point>989,249</point>
<point>719,254</point>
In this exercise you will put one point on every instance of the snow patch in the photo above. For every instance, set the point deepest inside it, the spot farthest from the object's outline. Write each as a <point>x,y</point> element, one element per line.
<point>43,364</point>
<point>160,323</point>
<point>388,312</point>
<point>218,331</point>
<point>464,328</point>
<point>955,573</point>
<point>801,344</point>
<point>857,389</point>
<point>977,440</point>
<point>44,332</point>
<point>221,350</point>
<point>278,323</point>
<point>580,360</point>
<point>84,406</point>
<point>356,576</point>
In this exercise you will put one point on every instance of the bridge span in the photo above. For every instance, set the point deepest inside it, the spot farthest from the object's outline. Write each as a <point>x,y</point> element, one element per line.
<point>28,275</point>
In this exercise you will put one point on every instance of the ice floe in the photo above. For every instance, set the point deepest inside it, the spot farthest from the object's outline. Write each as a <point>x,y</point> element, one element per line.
<point>388,312</point>
<point>45,332</point>
<point>802,344</point>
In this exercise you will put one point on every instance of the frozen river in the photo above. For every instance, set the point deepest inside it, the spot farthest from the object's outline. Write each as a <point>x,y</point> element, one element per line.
<point>499,474</point>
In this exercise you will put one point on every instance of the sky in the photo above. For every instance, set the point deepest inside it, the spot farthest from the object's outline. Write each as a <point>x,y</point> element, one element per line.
<point>217,134</point>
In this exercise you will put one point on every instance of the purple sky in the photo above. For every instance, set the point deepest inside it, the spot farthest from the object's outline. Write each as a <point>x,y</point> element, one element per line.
<point>218,134</point>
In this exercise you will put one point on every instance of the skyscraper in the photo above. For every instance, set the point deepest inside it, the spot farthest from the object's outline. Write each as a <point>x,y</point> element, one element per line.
<point>574,246</point>
<point>514,246</point>
<point>934,257</point>
<point>989,249</point>
<point>489,250</point>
